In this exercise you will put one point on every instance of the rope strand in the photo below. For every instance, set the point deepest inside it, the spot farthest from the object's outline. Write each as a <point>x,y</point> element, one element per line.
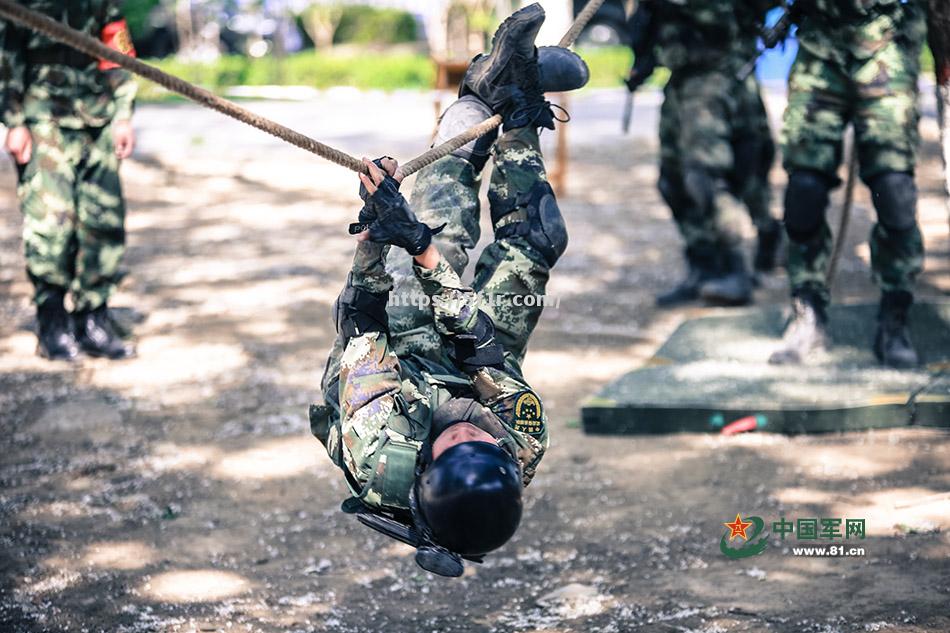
<point>94,48</point>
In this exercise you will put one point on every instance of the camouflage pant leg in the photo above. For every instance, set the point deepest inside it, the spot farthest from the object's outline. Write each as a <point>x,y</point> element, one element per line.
<point>816,116</point>
<point>887,115</point>
<point>754,152</point>
<point>46,191</point>
<point>445,192</point>
<point>897,257</point>
<point>100,233</point>
<point>696,122</point>
<point>808,264</point>
<point>511,276</point>
<point>74,214</point>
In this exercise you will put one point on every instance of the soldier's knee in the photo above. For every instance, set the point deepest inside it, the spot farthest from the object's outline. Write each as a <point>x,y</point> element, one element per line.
<point>462,115</point>
<point>895,199</point>
<point>542,225</point>
<point>806,200</point>
<point>699,187</point>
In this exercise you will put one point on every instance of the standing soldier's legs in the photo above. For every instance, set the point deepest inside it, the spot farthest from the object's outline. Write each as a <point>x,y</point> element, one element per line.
<point>100,232</point>
<point>818,107</point>
<point>445,192</point>
<point>886,129</point>
<point>696,227</point>
<point>46,192</point>
<point>512,272</point>
<point>754,152</point>
<point>707,112</point>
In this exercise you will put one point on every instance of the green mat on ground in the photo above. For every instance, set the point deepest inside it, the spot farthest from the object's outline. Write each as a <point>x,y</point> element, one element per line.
<point>714,370</point>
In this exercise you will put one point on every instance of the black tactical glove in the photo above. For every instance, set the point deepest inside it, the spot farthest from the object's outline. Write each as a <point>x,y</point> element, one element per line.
<point>395,222</point>
<point>368,213</point>
<point>476,349</point>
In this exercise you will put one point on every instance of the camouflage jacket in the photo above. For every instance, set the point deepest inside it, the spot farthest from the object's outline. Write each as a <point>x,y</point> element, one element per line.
<point>842,30</point>
<point>704,34</point>
<point>387,403</point>
<point>75,94</point>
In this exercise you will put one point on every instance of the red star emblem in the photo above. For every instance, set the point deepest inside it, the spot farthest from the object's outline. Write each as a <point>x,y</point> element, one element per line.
<point>738,528</point>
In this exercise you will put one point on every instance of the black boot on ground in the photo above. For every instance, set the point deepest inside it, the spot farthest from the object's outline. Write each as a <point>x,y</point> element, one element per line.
<point>508,78</point>
<point>733,287</point>
<point>769,247</point>
<point>806,333</point>
<point>702,268</point>
<point>97,335</point>
<point>892,344</point>
<point>55,338</point>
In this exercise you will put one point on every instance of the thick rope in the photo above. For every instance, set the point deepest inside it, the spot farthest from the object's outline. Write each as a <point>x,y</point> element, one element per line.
<point>443,150</point>
<point>94,48</point>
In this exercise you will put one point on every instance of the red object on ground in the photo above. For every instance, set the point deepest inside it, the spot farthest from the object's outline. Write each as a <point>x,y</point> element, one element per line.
<point>116,36</point>
<point>742,425</point>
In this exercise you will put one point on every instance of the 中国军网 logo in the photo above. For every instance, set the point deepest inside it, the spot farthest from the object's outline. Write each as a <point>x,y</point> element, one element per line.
<point>748,537</point>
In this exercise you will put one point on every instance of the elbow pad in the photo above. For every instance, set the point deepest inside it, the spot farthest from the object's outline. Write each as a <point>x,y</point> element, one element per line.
<point>358,311</point>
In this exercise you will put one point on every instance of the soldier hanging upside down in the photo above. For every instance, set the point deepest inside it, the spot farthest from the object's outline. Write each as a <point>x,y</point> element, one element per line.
<point>427,412</point>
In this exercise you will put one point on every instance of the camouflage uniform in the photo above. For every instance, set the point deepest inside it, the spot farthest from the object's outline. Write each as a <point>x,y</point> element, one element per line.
<point>381,389</point>
<point>73,227</point>
<point>858,63</point>
<point>712,121</point>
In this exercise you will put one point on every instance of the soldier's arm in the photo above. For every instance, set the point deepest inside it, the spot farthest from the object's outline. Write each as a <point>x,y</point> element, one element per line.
<point>370,379</point>
<point>12,74</point>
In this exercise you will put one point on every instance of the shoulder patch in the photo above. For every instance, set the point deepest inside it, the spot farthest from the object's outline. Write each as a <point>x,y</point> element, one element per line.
<point>529,416</point>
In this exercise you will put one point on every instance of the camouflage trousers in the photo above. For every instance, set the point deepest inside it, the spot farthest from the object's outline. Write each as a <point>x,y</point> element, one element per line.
<point>879,97</point>
<point>73,213</point>
<point>712,122</point>
<point>510,275</point>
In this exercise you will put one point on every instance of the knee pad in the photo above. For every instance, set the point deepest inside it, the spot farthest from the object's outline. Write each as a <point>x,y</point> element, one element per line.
<point>895,200</point>
<point>543,227</point>
<point>806,200</point>
<point>466,113</point>
<point>699,187</point>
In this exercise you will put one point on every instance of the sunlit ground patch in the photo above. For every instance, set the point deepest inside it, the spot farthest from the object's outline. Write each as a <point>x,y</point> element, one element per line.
<point>120,555</point>
<point>273,459</point>
<point>200,585</point>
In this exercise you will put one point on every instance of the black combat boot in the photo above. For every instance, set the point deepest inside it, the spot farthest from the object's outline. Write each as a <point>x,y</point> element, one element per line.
<point>702,267</point>
<point>733,287</point>
<point>508,79</point>
<point>768,248</point>
<point>56,340</point>
<point>97,336</point>
<point>807,332</point>
<point>892,344</point>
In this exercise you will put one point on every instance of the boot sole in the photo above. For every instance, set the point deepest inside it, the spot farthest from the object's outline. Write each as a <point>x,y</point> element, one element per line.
<point>42,353</point>
<point>501,53</point>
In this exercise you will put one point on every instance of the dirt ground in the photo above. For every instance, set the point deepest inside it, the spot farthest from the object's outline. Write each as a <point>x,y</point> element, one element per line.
<point>181,491</point>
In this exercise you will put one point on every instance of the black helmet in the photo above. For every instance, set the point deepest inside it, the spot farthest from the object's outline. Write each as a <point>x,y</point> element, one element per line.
<point>470,498</point>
